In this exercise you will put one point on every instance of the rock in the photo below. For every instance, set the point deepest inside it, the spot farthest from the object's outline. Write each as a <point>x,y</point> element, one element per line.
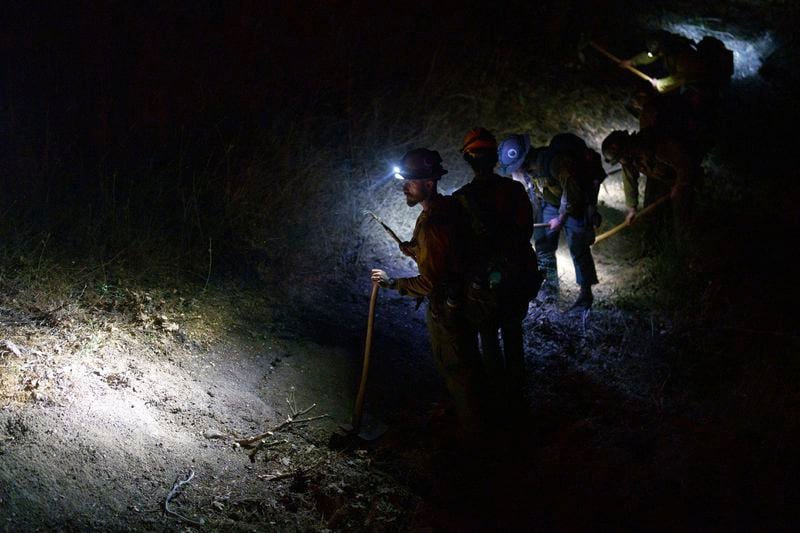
<point>214,434</point>
<point>8,346</point>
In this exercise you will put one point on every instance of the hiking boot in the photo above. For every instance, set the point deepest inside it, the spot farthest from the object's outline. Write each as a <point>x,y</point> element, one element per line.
<point>548,293</point>
<point>584,301</point>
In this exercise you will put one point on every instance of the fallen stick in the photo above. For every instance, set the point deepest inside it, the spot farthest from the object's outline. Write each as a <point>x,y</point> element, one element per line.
<point>264,444</point>
<point>299,472</point>
<point>248,442</point>
<point>176,489</point>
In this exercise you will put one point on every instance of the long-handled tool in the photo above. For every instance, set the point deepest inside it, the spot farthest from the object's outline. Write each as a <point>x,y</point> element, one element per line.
<point>619,227</point>
<point>391,233</point>
<point>389,230</point>
<point>357,430</point>
<point>358,411</point>
<point>584,42</point>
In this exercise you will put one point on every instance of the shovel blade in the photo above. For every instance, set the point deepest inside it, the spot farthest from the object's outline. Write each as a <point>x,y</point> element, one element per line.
<point>371,428</point>
<point>352,437</point>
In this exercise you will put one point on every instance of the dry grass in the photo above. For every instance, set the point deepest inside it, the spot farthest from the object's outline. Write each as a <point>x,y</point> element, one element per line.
<point>52,314</point>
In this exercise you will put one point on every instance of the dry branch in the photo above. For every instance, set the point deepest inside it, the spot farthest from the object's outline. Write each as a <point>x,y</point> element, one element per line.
<point>292,418</point>
<point>297,473</point>
<point>175,491</point>
<point>264,444</point>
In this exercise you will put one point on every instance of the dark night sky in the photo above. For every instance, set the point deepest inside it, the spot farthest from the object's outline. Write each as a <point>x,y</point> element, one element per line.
<point>86,84</point>
<point>98,71</point>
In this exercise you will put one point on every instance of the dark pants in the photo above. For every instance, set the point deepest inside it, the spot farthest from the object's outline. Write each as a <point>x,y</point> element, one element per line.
<point>505,367</point>
<point>674,217</point>
<point>455,352</point>
<point>580,236</point>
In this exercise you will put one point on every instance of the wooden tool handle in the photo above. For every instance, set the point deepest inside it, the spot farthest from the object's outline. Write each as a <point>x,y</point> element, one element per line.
<point>615,59</point>
<point>362,387</point>
<point>619,227</point>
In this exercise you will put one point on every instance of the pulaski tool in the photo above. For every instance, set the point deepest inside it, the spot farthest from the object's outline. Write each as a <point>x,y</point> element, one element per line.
<point>361,429</point>
<point>391,233</point>
<point>389,230</point>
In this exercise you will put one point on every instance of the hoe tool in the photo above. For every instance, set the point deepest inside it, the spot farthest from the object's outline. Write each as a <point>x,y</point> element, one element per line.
<point>619,227</point>
<point>588,42</point>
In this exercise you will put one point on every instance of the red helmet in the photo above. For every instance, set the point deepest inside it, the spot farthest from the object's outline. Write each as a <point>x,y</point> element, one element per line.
<point>479,141</point>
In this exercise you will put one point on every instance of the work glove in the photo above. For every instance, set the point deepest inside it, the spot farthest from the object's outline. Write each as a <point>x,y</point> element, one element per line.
<point>555,223</point>
<point>382,279</point>
<point>631,215</point>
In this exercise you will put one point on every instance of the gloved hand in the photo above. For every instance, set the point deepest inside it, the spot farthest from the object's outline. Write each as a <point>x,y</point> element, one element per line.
<point>555,223</point>
<point>382,278</point>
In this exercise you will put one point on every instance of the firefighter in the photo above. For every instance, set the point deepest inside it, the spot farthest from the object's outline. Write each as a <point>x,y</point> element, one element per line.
<point>439,246</point>
<point>505,272</point>
<point>683,66</point>
<point>669,167</point>
<point>562,180</point>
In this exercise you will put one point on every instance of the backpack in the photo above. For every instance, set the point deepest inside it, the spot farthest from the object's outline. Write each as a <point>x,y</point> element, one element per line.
<point>504,266</point>
<point>591,172</point>
<point>717,59</point>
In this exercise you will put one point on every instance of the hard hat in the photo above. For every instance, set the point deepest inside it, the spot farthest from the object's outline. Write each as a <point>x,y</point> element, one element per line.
<point>421,164</point>
<point>479,141</point>
<point>658,41</point>
<point>613,145</point>
<point>512,151</point>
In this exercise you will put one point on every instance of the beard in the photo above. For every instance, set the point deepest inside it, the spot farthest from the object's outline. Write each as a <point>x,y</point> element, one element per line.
<point>411,201</point>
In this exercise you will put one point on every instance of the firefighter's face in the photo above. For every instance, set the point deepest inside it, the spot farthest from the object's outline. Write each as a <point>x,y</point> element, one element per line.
<point>417,191</point>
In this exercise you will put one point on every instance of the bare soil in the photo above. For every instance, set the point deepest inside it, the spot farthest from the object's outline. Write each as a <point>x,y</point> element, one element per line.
<point>107,403</point>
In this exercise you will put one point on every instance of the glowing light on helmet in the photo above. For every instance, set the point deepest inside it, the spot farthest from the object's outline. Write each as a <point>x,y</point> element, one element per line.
<point>748,52</point>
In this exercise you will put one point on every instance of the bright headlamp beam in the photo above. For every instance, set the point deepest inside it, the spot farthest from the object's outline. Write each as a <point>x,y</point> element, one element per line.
<point>748,54</point>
